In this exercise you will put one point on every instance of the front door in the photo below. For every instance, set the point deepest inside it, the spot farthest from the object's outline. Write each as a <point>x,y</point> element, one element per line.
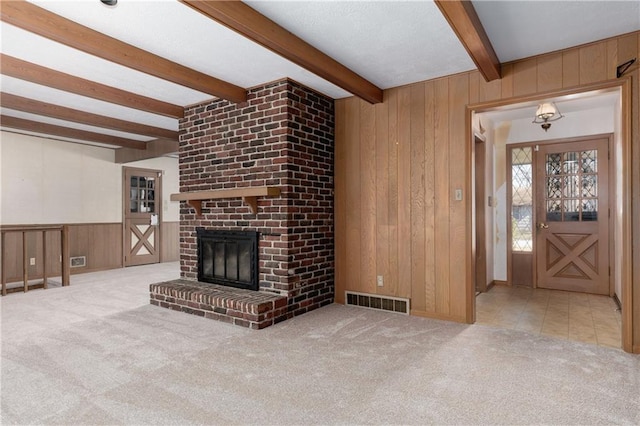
<point>142,201</point>
<point>572,216</point>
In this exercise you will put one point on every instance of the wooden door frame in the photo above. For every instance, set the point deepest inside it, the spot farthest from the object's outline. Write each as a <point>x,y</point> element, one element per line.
<point>125,196</point>
<point>480,164</point>
<point>624,87</point>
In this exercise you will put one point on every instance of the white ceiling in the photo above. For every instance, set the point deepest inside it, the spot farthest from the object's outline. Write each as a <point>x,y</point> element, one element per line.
<point>390,43</point>
<point>519,29</point>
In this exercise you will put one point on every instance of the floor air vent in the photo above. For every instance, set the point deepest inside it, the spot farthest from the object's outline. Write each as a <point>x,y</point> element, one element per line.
<point>78,261</point>
<point>374,301</point>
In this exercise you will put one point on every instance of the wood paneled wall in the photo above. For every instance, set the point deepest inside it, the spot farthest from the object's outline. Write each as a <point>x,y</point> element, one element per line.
<point>399,163</point>
<point>101,243</point>
<point>170,245</point>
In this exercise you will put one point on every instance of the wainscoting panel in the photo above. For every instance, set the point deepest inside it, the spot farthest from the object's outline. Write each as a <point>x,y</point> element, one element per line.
<point>100,243</point>
<point>170,245</point>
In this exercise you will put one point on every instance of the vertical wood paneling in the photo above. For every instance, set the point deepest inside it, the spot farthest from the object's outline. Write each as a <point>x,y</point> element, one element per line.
<point>404,191</point>
<point>492,90</point>
<point>170,249</point>
<point>101,243</point>
<point>525,77</point>
<point>352,168</point>
<point>418,220</point>
<point>506,81</point>
<point>593,63</point>
<point>474,87</point>
<point>459,175</point>
<point>612,59</point>
<point>442,195</point>
<point>367,197</point>
<point>635,160</point>
<point>391,282</point>
<point>429,228</point>
<point>635,204</point>
<point>549,72</point>
<point>383,244</point>
<point>420,156</point>
<point>627,48</point>
<point>570,68</point>
<point>340,200</point>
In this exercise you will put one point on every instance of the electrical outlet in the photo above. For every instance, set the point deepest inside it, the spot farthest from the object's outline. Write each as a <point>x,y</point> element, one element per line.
<point>458,194</point>
<point>32,261</point>
<point>380,281</point>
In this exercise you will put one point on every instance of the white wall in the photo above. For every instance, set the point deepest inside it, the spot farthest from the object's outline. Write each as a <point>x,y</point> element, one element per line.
<point>584,123</point>
<point>45,181</point>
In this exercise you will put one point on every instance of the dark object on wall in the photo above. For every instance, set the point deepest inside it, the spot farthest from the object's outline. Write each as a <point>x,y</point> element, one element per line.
<point>622,68</point>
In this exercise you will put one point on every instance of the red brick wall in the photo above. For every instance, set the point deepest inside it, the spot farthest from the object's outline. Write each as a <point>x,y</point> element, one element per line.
<point>282,136</point>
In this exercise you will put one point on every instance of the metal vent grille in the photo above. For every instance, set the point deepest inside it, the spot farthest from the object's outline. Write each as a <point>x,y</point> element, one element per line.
<point>78,261</point>
<point>374,301</point>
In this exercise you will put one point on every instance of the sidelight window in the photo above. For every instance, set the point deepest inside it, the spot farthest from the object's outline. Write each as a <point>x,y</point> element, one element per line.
<point>521,199</point>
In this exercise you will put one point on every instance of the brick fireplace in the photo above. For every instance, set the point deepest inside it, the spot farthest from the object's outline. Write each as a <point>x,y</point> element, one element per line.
<point>282,137</point>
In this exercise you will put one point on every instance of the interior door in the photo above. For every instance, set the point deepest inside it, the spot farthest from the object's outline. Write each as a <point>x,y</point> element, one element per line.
<point>572,215</point>
<point>142,201</point>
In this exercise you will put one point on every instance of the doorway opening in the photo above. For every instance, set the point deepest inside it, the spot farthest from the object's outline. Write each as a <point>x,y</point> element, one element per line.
<point>505,127</point>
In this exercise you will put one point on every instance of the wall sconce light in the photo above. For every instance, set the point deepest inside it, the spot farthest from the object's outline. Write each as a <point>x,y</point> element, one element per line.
<point>546,113</point>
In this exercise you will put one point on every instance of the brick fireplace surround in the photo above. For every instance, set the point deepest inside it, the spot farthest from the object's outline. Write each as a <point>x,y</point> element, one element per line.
<point>281,137</point>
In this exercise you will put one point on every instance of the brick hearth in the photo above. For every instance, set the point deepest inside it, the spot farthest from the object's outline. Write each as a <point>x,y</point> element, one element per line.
<point>253,309</point>
<point>281,137</point>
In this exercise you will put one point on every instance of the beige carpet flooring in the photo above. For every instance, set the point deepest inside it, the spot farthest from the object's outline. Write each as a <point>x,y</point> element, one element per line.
<point>97,353</point>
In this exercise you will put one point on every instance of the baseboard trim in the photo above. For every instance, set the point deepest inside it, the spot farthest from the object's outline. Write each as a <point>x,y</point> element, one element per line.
<point>499,282</point>
<point>615,299</point>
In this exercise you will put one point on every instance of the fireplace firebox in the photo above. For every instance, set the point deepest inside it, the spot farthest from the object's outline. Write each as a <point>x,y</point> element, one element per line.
<point>228,258</point>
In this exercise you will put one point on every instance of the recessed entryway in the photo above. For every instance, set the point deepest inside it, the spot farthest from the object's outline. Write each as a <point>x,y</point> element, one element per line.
<point>580,317</point>
<point>574,257</point>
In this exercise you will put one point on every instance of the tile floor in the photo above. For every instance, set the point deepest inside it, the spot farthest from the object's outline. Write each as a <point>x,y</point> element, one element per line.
<point>574,316</point>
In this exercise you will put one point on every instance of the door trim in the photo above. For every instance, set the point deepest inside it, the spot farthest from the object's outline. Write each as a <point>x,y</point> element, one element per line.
<point>623,145</point>
<point>480,215</point>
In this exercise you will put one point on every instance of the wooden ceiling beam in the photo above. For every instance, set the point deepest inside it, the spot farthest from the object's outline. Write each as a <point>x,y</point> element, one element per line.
<point>155,148</point>
<point>37,74</point>
<point>66,132</point>
<point>33,106</point>
<point>40,21</point>
<point>464,21</point>
<point>248,22</point>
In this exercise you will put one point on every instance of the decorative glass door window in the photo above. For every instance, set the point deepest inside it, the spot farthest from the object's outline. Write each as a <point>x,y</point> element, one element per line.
<point>522,199</point>
<point>142,195</point>
<point>571,186</point>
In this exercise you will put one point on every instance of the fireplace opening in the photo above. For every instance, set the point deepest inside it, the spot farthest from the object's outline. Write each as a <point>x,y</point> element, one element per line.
<point>228,258</point>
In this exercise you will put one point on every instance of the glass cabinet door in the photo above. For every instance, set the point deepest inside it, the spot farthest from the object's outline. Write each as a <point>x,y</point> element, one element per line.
<point>142,194</point>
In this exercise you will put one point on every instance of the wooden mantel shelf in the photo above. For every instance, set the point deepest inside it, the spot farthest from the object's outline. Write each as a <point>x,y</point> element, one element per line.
<point>195,198</point>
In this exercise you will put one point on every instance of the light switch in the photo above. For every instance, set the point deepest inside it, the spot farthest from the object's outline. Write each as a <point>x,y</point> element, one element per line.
<point>458,194</point>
